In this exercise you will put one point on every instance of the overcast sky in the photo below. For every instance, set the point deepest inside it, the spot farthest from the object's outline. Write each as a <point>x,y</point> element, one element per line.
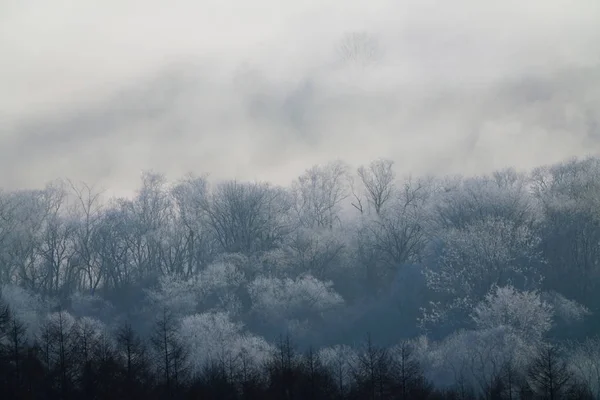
<point>101,90</point>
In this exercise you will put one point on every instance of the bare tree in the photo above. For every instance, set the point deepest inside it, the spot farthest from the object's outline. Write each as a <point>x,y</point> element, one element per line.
<point>170,352</point>
<point>549,375</point>
<point>191,197</point>
<point>378,180</point>
<point>59,350</point>
<point>248,217</point>
<point>88,212</point>
<point>318,194</point>
<point>407,371</point>
<point>373,372</point>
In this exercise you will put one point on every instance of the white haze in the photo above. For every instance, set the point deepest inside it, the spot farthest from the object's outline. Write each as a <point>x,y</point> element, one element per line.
<point>101,90</point>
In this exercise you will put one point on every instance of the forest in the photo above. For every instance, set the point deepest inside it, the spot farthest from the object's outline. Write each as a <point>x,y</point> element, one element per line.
<point>349,283</point>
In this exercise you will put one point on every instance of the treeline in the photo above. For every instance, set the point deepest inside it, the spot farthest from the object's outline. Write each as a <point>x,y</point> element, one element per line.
<point>72,359</point>
<point>479,275</point>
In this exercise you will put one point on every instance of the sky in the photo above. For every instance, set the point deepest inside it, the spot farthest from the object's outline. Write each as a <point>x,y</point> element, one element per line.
<point>100,91</point>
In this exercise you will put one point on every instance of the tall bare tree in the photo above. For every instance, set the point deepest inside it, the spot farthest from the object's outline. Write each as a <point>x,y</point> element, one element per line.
<point>378,180</point>
<point>318,194</point>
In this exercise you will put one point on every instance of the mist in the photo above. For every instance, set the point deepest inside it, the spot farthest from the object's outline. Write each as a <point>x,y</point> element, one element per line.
<point>101,91</point>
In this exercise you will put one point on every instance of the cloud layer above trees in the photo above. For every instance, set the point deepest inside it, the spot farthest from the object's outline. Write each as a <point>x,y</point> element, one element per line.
<point>102,90</point>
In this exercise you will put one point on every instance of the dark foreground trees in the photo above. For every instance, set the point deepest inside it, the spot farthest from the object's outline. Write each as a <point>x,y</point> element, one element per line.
<point>73,359</point>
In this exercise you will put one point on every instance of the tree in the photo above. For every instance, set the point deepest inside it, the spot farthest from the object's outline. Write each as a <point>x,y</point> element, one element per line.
<point>192,197</point>
<point>478,256</point>
<point>209,338</point>
<point>505,195</point>
<point>284,370</point>
<point>570,230</point>
<point>378,181</point>
<point>525,313</point>
<point>318,252</point>
<point>395,237</point>
<point>12,348</point>
<point>294,302</point>
<point>584,362</point>
<point>133,356</point>
<point>170,353</point>
<point>111,241</point>
<point>60,352</point>
<point>16,349</point>
<point>5,316</point>
<point>373,373</point>
<point>88,214</point>
<point>316,381</point>
<point>150,218</point>
<point>548,374</point>
<point>340,359</point>
<point>248,218</point>
<point>408,373</point>
<point>318,194</point>
<point>175,294</point>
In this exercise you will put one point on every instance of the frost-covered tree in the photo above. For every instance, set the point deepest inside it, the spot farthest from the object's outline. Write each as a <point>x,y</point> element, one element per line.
<point>340,359</point>
<point>248,217</point>
<point>191,197</point>
<point>147,221</point>
<point>318,194</point>
<point>525,313</point>
<point>318,252</point>
<point>219,287</point>
<point>568,194</point>
<point>504,195</point>
<point>87,213</point>
<point>584,363</point>
<point>378,182</point>
<point>294,302</point>
<point>480,255</point>
<point>214,339</point>
<point>175,294</point>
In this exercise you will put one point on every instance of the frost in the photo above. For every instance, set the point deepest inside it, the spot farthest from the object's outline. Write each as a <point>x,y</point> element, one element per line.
<point>281,298</point>
<point>213,337</point>
<point>565,309</point>
<point>525,313</point>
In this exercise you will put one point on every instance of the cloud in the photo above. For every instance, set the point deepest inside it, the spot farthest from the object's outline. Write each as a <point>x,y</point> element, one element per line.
<point>102,90</point>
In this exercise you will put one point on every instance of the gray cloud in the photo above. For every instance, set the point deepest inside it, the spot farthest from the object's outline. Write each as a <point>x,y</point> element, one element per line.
<point>102,90</point>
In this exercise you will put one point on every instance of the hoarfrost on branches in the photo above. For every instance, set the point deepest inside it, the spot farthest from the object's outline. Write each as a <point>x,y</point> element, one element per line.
<point>525,312</point>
